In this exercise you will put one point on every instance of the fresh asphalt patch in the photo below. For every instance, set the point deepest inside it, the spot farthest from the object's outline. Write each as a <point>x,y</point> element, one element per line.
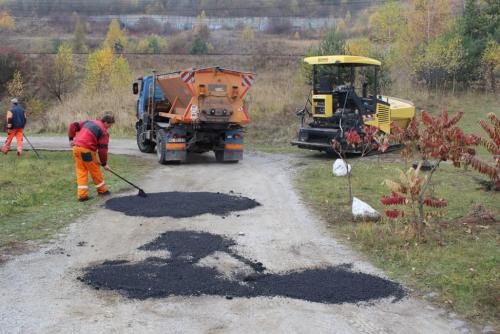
<point>180,204</point>
<point>181,275</point>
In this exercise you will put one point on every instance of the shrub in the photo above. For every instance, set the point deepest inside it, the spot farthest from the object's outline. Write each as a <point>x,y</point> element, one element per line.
<point>492,145</point>
<point>438,139</point>
<point>279,26</point>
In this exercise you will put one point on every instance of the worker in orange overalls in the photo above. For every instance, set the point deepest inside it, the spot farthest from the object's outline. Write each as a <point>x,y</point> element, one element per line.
<point>87,139</point>
<point>16,120</point>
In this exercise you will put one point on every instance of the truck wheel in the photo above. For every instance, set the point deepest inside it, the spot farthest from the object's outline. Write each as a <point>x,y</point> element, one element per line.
<point>161,150</point>
<point>145,145</point>
<point>219,155</point>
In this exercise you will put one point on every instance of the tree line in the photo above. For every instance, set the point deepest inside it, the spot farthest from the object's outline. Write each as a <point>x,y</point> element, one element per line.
<point>237,8</point>
<point>442,45</point>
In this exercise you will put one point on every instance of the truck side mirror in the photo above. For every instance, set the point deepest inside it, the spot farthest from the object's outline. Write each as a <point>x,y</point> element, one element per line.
<point>135,88</point>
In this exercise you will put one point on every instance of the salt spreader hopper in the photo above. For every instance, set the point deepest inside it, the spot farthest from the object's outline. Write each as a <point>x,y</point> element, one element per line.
<point>192,111</point>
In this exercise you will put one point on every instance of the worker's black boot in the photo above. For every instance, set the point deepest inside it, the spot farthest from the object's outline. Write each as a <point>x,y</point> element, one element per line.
<point>106,193</point>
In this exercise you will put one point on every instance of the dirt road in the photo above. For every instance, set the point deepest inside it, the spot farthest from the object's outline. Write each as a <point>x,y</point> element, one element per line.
<point>47,291</point>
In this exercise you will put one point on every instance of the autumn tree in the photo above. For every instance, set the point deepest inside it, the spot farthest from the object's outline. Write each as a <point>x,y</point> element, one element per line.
<point>200,28</point>
<point>105,71</point>
<point>10,62</point>
<point>152,44</point>
<point>248,32</point>
<point>386,22</point>
<point>116,38</point>
<point>15,87</point>
<point>79,40</point>
<point>490,62</point>
<point>59,74</point>
<point>7,22</point>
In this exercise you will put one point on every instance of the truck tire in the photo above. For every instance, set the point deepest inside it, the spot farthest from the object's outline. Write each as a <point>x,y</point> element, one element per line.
<point>161,150</point>
<point>219,155</point>
<point>145,145</point>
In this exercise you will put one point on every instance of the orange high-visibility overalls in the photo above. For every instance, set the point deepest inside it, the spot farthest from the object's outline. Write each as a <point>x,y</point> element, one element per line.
<point>87,138</point>
<point>18,134</point>
<point>16,120</point>
<point>85,163</point>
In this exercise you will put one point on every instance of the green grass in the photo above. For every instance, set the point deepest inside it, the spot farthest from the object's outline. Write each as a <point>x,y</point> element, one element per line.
<point>460,263</point>
<point>38,197</point>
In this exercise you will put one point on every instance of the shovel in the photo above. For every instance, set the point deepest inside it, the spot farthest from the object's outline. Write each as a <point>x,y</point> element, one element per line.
<point>141,192</point>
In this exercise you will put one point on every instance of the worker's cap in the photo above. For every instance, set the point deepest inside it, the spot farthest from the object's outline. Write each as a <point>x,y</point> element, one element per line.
<point>14,100</point>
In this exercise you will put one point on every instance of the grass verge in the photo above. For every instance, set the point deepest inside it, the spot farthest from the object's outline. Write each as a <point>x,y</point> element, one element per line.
<point>38,197</point>
<point>458,261</point>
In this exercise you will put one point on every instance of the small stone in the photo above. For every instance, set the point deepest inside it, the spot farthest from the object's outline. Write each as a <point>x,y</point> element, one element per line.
<point>430,308</point>
<point>431,295</point>
<point>457,323</point>
<point>452,315</point>
<point>488,329</point>
<point>241,233</point>
<point>229,297</point>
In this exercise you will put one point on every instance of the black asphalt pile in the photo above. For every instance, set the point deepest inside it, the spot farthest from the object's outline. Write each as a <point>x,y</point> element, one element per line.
<point>180,276</point>
<point>180,204</point>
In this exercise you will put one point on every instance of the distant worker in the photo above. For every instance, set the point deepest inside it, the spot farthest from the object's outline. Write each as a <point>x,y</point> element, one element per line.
<point>87,138</point>
<point>16,120</point>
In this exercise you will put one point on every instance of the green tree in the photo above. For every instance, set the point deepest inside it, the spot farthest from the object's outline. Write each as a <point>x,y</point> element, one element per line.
<point>199,46</point>
<point>332,44</point>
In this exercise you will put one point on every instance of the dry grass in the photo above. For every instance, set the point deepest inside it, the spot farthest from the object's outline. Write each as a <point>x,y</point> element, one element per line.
<point>277,92</point>
<point>82,105</point>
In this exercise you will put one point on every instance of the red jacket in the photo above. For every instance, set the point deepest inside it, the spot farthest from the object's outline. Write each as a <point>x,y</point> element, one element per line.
<point>92,135</point>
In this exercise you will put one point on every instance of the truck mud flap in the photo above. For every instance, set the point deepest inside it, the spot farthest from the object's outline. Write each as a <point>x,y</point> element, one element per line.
<point>233,155</point>
<point>175,155</point>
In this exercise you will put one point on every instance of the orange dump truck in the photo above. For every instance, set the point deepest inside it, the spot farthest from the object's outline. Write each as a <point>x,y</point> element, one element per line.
<point>195,110</point>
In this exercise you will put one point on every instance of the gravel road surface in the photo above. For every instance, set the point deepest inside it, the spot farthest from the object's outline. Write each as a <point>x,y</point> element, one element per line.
<point>45,292</point>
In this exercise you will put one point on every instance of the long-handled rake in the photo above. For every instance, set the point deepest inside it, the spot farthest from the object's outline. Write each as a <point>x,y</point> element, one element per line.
<point>141,192</point>
<point>33,147</point>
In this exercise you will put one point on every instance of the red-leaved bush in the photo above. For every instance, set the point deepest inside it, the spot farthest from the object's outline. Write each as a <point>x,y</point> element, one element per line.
<point>434,138</point>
